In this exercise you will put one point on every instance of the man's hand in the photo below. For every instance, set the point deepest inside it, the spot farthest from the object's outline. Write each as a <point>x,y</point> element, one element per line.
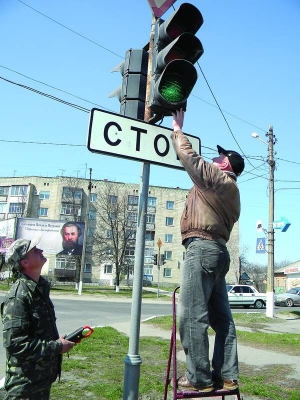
<point>67,345</point>
<point>178,119</point>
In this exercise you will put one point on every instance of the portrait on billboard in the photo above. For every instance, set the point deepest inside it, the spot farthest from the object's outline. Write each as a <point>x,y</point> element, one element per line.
<point>56,237</point>
<point>71,233</point>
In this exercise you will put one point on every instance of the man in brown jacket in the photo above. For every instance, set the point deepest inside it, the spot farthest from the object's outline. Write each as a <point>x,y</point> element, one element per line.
<point>212,207</point>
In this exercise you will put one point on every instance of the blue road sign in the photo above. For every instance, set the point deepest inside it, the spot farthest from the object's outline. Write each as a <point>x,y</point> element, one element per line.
<point>282,224</point>
<point>260,245</point>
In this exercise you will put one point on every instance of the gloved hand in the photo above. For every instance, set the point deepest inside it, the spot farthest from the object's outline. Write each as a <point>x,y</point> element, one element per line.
<point>178,118</point>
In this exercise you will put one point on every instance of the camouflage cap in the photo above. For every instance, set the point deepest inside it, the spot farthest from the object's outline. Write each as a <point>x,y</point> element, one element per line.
<point>18,250</point>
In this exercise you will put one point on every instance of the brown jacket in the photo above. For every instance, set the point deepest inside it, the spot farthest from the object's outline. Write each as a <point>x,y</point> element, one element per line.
<point>213,204</point>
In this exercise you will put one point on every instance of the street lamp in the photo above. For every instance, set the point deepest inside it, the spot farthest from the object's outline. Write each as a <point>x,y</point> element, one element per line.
<point>270,272</point>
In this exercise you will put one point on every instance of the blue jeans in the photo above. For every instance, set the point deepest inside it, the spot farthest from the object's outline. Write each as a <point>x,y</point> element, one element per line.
<point>203,301</point>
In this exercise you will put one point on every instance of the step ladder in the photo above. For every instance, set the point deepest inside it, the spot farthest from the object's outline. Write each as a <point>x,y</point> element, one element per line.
<point>177,393</point>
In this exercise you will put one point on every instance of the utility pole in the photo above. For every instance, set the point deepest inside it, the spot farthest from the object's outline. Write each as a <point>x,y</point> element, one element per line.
<point>159,244</point>
<point>85,233</point>
<point>270,273</point>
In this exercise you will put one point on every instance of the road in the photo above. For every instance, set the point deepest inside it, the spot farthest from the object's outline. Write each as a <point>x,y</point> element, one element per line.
<point>73,312</point>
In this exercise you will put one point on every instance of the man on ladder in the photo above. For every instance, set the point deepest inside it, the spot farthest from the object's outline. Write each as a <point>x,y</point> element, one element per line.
<point>212,208</point>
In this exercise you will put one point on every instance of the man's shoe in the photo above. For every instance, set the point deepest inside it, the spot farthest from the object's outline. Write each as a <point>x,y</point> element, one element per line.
<point>230,384</point>
<point>184,384</point>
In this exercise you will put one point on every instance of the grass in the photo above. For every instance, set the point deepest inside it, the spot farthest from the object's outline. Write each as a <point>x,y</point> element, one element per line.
<point>95,368</point>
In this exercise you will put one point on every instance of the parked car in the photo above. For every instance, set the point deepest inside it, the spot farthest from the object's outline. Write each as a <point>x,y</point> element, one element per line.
<point>289,299</point>
<point>246,296</point>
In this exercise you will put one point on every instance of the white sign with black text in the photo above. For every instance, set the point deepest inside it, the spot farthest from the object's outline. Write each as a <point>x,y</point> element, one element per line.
<point>121,136</point>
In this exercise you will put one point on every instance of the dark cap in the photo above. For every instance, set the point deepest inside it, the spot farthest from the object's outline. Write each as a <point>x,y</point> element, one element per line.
<point>18,250</point>
<point>235,159</point>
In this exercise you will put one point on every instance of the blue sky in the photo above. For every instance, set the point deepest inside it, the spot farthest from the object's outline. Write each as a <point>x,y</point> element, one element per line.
<point>250,61</point>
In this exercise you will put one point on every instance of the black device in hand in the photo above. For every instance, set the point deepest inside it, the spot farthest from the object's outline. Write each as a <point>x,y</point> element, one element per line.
<point>80,333</point>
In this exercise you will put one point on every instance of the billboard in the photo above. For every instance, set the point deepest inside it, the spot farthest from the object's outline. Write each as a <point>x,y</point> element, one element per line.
<point>56,237</point>
<point>7,233</point>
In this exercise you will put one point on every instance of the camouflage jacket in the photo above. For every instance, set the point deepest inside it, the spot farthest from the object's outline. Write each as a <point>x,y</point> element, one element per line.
<point>30,337</point>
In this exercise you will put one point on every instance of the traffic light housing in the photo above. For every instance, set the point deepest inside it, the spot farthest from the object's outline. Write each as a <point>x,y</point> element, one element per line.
<point>155,259</point>
<point>132,93</point>
<point>176,49</point>
<point>162,259</point>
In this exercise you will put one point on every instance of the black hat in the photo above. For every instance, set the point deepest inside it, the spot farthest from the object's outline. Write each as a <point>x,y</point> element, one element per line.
<point>235,159</point>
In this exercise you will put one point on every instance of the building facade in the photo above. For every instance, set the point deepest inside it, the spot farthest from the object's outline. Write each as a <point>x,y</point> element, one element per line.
<point>77,199</point>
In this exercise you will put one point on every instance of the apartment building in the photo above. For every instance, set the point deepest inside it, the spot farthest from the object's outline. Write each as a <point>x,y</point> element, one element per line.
<point>76,199</point>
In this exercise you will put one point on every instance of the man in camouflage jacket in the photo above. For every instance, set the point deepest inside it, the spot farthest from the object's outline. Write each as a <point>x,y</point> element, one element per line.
<point>33,346</point>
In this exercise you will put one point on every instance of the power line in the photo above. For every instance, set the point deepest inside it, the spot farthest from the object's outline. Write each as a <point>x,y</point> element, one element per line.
<point>47,95</point>
<point>71,30</point>
<point>52,87</point>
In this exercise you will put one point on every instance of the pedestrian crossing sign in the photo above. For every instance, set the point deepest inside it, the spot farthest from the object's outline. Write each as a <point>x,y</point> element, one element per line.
<point>260,245</point>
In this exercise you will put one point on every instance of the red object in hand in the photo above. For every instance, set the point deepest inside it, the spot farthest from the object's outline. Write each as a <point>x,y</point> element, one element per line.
<point>80,333</point>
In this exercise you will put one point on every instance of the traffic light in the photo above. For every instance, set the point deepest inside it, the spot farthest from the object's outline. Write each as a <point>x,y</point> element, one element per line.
<point>132,92</point>
<point>176,49</point>
<point>155,259</point>
<point>162,259</point>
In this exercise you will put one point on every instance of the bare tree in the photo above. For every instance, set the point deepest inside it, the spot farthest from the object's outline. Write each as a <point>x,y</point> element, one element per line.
<point>114,237</point>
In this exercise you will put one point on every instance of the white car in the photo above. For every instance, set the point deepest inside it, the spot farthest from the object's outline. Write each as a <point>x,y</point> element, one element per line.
<point>246,296</point>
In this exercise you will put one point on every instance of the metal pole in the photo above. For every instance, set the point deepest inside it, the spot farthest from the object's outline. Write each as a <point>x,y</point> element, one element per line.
<point>159,244</point>
<point>133,360</point>
<point>270,272</point>
<point>85,234</point>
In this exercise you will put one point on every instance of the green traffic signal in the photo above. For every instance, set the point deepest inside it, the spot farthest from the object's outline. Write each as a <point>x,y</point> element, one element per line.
<point>172,88</point>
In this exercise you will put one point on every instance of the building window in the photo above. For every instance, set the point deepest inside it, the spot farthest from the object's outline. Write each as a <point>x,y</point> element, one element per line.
<point>18,191</point>
<point>170,221</point>
<point>109,234</point>
<point>92,214</point>
<point>4,190</point>
<point>65,263</point>
<point>167,273</point>
<point>72,193</point>
<point>93,197</point>
<point>150,218</point>
<point>132,217</point>
<point>44,195</point>
<point>87,268</point>
<point>149,236</point>
<point>151,201</point>
<point>168,255</point>
<point>170,205</point>
<point>90,231</point>
<point>133,200</point>
<point>16,208</point>
<point>148,270</point>
<point>3,207</point>
<point>129,251</point>
<point>112,199</point>
<point>168,238</point>
<point>70,209</point>
<point>43,212</point>
<point>108,268</point>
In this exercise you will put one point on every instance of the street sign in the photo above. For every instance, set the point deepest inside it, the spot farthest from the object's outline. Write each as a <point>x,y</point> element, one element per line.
<point>124,137</point>
<point>159,7</point>
<point>260,245</point>
<point>283,224</point>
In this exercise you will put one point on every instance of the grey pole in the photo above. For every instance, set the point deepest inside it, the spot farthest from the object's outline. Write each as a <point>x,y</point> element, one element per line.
<point>85,233</point>
<point>133,359</point>
<point>270,272</point>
